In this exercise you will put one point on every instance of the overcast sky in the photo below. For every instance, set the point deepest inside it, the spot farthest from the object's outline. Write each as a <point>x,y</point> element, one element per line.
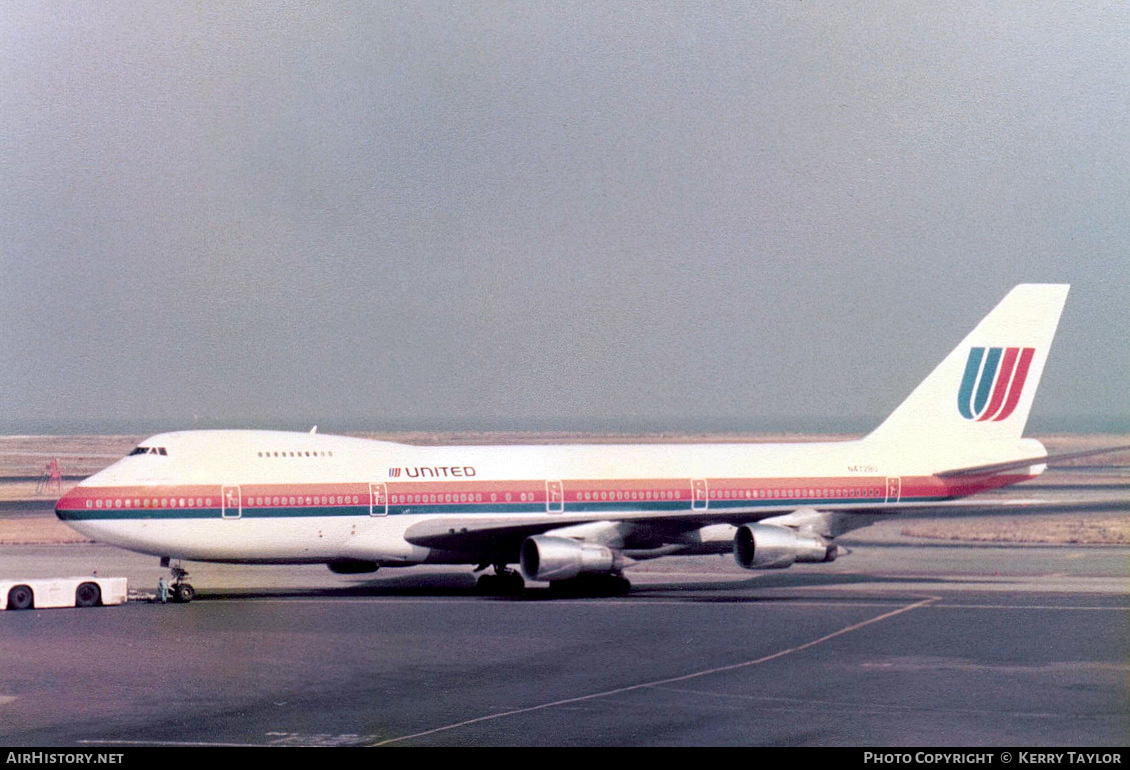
<point>555,215</point>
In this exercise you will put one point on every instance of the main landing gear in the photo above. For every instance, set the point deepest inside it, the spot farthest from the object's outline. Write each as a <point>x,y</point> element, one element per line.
<point>180,592</point>
<point>508,582</point>
<point>504,582</point>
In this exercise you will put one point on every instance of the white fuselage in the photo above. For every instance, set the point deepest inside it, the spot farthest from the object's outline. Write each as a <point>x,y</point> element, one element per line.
<point>273,497</point>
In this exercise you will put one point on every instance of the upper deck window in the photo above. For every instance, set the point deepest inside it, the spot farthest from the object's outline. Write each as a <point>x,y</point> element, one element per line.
<point>148,450</point>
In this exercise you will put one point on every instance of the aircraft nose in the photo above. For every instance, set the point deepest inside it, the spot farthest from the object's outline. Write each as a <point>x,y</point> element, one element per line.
<point>71,503</point>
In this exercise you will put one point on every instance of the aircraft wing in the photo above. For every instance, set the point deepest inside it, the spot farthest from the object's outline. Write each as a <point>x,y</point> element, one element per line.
<point>475,533</point>
<point>636,530</point>
<point>652,529</point>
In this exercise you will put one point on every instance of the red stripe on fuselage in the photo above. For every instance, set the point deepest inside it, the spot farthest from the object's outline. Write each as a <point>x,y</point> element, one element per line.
<point>827,490</point>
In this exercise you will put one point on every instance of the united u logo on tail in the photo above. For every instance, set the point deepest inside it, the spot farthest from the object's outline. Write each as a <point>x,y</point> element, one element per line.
<point>993,381</point>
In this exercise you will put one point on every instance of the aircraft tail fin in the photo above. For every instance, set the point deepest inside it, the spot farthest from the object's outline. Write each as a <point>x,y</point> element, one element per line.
<point>982,392</point>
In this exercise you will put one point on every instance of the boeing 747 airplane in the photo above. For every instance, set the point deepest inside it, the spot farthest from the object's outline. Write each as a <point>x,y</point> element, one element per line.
<point>578,515</point>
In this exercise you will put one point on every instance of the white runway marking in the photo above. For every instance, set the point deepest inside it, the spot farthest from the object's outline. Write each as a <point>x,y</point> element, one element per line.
<point>167,743</point>
<point>1041,607</point>
<point>807,704</point>
<point>662,682</point>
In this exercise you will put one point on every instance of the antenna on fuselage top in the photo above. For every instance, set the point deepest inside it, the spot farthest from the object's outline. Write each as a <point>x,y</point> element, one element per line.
<point>313,430</point>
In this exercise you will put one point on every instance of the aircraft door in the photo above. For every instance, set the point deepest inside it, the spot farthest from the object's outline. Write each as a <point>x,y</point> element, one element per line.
<point>894,489</point>
<point>699,497</point>
<point>554,497</point>
<point>231,501</point>
<point>378,499</point>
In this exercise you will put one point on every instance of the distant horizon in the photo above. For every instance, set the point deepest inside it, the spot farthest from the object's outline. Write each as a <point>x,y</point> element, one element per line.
<point>750,426</point>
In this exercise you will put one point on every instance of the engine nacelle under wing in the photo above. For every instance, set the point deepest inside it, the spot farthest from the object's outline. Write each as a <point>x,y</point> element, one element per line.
<point>765,546</point>
<point>545,557</point>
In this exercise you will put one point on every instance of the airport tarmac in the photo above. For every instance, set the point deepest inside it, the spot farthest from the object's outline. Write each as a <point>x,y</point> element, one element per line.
<point>902,642</point>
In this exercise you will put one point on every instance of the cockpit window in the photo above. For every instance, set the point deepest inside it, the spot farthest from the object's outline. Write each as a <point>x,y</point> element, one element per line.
<point>148,450</point>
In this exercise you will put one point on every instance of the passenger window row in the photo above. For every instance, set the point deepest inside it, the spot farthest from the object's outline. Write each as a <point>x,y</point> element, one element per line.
<point>296,454</point>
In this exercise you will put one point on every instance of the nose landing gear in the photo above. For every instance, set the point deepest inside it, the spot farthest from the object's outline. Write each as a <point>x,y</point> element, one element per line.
<point>181,591</point>
<point>178,591</point>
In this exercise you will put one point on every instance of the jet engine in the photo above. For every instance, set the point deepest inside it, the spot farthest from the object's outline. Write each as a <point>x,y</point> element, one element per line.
<point>545,557</point>
<point>766,546</point>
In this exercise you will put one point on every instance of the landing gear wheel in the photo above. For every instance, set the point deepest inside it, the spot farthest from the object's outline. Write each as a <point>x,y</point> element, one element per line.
<point>180,592</point>
<point>183,593</point>
<point>512,582</point>
<point>88,595</point>
<point>504,582</point>
<point>20,598</point>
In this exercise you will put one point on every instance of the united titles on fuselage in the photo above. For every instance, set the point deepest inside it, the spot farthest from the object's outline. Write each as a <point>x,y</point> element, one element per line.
<point>432,471</point>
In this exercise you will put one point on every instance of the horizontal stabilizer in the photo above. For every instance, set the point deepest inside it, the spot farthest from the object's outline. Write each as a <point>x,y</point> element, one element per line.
<point>1012,465</point>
